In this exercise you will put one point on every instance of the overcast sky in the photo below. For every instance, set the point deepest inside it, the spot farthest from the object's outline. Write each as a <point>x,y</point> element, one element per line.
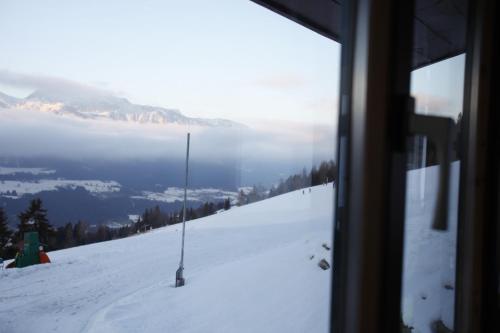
<point>214,59</point>
<point>227,58</point>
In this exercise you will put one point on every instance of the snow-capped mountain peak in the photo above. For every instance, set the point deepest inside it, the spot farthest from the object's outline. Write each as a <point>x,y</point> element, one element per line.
<point>90,103</point>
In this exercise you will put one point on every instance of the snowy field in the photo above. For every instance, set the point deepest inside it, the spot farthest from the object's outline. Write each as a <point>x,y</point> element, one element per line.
<point>173,194</point>
<point>248,269</point>
<point>20,188</point>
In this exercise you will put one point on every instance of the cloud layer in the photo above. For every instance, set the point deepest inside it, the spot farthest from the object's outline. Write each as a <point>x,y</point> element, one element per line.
<point>28,133</point>
<point>32,133</point>
<point>49,84</point>
<point>283,81</point>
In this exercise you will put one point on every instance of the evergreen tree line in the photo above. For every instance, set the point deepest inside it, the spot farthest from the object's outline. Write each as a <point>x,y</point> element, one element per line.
<point>70,235</point>
<point>154,218</point>
<point>34,218</point>
<point>325,173</point>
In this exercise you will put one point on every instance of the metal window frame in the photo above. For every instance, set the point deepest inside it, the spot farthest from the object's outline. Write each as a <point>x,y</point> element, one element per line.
<point>476,306</point>
<point>376,64</point>
<point>370,305</point>
<point>377,94</point>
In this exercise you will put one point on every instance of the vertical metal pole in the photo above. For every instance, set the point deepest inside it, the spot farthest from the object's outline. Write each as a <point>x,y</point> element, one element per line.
<point>179,278</point>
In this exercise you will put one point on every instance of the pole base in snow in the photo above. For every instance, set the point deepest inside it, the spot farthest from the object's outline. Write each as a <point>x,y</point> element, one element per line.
<point>179,279</point>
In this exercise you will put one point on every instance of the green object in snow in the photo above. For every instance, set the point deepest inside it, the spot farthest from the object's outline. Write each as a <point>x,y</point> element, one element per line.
<point>29,256</point>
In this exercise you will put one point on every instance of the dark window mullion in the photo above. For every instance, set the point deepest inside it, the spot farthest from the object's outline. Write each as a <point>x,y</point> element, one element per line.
<point>370,271</point>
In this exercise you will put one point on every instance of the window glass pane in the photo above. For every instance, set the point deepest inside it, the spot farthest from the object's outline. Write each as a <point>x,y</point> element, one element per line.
<point>428,295</point>
<point>430,255</point>
<point>96,100</point>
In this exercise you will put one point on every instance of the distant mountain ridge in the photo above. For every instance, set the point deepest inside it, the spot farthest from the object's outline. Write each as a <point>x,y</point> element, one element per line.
<point>94,104</point>
<point>6,100</point>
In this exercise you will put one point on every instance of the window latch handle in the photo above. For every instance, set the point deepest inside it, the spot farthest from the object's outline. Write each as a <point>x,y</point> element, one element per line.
<point>439,130</point>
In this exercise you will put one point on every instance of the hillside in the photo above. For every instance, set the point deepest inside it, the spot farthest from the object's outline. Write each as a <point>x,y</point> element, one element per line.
<point>247,270</point>
<point>107,192</point>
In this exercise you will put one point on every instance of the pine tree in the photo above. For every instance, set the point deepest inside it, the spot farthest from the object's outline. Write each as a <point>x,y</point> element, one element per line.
<point>146,220</point>
<point>60,233</point>
<point>69,240</point>
<point>103,233</point>
<point>305,180</point>
<point>227,204</point>
<point>5,232</point>
<point>206,209</point>
<point>242,198</point>
<point>35,219</point>
<point>315,179</point>
<point>80,233</point>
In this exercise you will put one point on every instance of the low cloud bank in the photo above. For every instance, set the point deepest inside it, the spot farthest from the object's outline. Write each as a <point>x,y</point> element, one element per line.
<point>49,83</point>
<point>26,133</point>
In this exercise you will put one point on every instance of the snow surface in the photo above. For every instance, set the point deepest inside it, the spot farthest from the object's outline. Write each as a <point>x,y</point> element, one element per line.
<point>133,217</point>
<point>248,269</point>
<point>429,255</point>
<point>36,186</point>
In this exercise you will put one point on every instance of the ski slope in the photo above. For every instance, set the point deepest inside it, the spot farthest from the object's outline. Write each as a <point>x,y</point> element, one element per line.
<point>248,269</point>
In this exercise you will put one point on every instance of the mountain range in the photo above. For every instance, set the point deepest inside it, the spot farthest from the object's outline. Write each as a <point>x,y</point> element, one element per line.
<point>88,103</point>
<point>85,188</point>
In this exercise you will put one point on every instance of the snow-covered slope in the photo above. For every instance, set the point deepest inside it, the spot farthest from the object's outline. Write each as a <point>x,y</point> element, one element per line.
<point>248,269</point>
<point>429,255</point>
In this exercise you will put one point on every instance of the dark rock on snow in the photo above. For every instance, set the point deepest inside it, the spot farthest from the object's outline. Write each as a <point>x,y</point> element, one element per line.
<point>323,264</point>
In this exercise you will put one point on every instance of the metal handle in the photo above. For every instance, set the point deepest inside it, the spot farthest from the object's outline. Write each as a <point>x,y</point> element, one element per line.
<point>440,130</point>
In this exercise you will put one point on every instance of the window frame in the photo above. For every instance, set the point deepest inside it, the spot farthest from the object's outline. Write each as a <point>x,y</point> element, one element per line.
<point>368,229</point>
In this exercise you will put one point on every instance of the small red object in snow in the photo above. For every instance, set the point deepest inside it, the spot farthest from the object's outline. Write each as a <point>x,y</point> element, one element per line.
<point>44,258</point>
